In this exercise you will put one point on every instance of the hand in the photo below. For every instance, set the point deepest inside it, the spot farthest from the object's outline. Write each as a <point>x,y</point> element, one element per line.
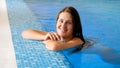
<point>52,36</point>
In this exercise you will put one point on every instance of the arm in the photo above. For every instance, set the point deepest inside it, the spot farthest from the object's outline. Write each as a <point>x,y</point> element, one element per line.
<point>34,34</point>
<point>40,35</point>
<point>50,40</point>
<point>55,45</point>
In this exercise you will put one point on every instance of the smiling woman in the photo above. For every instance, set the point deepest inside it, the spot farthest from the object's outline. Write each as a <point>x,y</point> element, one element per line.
<point>68,35</point>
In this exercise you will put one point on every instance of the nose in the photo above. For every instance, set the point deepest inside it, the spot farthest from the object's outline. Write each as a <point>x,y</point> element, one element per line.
<point>63,25</point>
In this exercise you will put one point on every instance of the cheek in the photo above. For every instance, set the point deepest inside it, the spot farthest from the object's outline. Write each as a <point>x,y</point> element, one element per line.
<point>57,25</point>
<point>70,28</point>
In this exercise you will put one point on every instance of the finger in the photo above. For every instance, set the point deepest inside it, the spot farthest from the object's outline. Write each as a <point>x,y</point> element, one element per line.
<point>56,36</point>
<point>53,36</point>
<point>47,36</point>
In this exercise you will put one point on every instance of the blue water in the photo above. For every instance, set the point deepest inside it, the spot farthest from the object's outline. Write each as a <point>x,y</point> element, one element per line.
<point>100,21</point>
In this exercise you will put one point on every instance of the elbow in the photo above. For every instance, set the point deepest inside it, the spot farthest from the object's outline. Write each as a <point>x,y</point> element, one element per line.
<point>23,34</point>
<point>26,34</point>
<point>53,47</point>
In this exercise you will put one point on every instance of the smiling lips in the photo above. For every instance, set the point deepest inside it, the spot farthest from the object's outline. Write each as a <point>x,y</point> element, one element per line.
<point>63,30</point>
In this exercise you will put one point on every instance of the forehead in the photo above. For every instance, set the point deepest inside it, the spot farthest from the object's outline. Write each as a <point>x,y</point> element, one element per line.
<point>65,15</point>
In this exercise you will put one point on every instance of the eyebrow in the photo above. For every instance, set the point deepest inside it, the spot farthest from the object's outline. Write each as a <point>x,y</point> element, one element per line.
<point>66,20</point>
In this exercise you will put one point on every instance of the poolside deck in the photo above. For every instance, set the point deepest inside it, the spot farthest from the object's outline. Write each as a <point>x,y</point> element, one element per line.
<point>7,55</point>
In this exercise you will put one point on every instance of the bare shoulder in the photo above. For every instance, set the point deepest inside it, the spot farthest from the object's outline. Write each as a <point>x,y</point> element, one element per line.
<point>76,39</point>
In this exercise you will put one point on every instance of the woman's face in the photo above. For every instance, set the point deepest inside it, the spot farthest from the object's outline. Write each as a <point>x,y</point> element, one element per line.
<point>65,25</point>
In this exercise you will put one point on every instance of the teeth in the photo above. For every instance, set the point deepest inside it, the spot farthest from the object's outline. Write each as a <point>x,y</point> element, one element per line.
<point>63,30</point>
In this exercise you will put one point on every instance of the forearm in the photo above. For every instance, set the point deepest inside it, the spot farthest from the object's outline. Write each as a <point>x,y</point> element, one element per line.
<point>55,45</point>
<point>73,43</point>
<point>34,34</point>
<point>69,44</point>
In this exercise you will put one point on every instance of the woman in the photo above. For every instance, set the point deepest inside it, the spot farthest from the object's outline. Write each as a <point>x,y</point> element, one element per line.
<point>68,35</point>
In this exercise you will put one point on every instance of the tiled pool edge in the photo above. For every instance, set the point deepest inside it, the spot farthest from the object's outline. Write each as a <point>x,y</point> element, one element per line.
<point>26,21</point>
<point>7,55</point>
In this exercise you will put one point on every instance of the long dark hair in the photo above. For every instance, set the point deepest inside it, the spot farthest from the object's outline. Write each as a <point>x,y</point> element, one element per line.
<point>77,27</point>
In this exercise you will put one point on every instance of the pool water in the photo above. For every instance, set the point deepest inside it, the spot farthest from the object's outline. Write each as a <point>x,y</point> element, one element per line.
<point>100,19</point>
<point>100,23</point>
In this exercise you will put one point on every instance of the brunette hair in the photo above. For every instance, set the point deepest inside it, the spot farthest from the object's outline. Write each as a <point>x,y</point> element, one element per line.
<point>77,27</point>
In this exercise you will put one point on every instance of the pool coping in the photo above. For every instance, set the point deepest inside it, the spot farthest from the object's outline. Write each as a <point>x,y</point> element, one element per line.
<point>7,55</point>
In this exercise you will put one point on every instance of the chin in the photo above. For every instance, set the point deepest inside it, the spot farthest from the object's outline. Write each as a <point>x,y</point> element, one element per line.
<point>61,34</point>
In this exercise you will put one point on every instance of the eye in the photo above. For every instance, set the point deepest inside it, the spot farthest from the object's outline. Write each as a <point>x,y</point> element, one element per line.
<point>61,20</point>
<point>69,22</point>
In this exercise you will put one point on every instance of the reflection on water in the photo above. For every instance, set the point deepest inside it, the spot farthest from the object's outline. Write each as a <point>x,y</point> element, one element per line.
<point>107,54</point>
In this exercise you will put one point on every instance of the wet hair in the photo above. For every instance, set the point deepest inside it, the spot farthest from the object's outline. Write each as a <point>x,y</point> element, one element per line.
<point>77,27</point>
